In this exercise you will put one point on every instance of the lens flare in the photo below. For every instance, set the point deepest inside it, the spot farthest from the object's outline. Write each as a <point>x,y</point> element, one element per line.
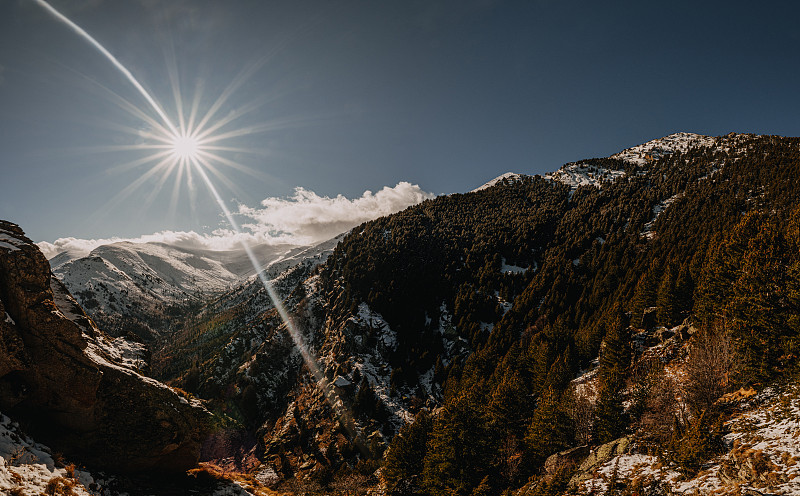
<point>193,146</point>
<point>186,148</point>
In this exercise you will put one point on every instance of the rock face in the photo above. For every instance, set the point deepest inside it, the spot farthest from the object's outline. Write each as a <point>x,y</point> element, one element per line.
<point>68,381</point>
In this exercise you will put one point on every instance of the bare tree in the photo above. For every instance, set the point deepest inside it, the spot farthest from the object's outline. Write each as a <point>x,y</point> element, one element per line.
<point>709,368</point>
<point>581,411</point>
<point>655,398</point>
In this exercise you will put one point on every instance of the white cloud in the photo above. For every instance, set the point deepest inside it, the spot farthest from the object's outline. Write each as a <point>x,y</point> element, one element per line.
<point>302,219</point>
<point>310,218</point>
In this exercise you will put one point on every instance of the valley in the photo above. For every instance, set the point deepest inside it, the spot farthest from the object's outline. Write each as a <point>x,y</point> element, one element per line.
<point>622,325</point>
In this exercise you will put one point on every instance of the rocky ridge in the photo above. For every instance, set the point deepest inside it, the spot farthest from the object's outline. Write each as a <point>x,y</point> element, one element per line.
<point>73,385</point>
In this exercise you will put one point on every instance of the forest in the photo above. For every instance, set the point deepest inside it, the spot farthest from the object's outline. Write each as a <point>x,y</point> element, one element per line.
<point>724,257</point>
<point>502,301</point>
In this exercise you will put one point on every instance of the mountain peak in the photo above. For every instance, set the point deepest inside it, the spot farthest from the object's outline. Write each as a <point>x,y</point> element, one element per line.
<point>508,176</point>
<point>654,149</point>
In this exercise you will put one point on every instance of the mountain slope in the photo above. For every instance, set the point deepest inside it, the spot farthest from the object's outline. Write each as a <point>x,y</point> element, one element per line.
<point>75,386</point>
<point>489,302</point>
<point>474,313</point>
<point>152,283</point>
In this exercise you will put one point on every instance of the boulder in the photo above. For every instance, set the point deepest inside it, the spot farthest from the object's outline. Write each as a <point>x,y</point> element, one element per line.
<point>598,457</point>
<point>63,377</point>
<point>571,456</point>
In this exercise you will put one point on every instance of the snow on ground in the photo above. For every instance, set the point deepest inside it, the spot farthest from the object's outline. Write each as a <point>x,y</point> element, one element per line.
<point>655,149</point>
<point>514,269</point>
<point>9,241</point>
<point>629,467</point>
<point>763,454</point>
<point>582,174</point>
<point>586,383</point>
<point>770,432</point>
<point>374,320</point>
<point>510,176</point>
<point>29,467</point>
<point>657,210</point>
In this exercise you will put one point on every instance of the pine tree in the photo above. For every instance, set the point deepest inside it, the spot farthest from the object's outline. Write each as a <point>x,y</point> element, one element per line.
<point>550,430</point>
<point>615,359</point>
<point>684,291</point>
<point>610,422</point>
<point>666,300</point>
<point>460,448</point>
<point>406,455</point>
<point>644,296</point>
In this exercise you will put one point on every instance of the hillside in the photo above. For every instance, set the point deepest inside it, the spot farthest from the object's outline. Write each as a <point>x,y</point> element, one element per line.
<point>144,288</point>
<point>480,309</point>
<point>622,325</point>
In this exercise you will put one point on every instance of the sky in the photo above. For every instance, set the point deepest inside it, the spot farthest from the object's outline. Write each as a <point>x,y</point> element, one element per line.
<point>339,111</point>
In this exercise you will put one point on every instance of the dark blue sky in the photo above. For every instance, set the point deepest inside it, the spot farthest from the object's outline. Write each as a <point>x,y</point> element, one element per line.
<point>359,95</point>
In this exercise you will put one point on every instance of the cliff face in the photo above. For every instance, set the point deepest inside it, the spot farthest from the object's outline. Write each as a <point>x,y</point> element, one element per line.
<point>73,385</point>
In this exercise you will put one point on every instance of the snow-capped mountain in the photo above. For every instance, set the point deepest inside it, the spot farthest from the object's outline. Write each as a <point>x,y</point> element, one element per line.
<point>508,176</point>
<point>596,172</point>
<point>657,148</point>
<point>145,282</point>
<point>483,304</point>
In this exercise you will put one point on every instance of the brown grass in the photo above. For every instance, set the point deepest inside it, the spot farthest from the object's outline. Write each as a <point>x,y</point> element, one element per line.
<point>60,486</point>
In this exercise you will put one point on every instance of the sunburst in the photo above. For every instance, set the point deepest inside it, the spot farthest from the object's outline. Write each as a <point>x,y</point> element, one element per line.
<point>185,145</point>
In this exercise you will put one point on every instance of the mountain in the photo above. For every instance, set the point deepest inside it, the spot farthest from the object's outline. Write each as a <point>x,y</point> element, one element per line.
<point>625,324</point>
<point>75,386</point>
<point>139,288</point>
<point>481,308</point>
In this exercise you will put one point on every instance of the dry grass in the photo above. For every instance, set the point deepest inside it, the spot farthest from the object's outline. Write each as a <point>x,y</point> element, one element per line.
<point>212,472</point>
<point>60,486</point>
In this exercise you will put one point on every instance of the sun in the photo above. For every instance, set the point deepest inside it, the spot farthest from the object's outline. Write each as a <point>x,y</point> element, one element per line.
<point>185,147</point>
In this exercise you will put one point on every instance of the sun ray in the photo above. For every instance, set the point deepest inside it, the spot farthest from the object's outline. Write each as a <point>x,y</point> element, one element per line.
<point>176,192</point>
<point>221,178</point>
<point>133,164</point>
<point>236,165</point>
<point>159,185</point>
<point>188,150</point>
<point>174,82</point>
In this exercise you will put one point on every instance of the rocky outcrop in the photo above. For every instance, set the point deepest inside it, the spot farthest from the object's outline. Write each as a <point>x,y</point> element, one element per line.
<point>598,457</point>
<point>72,386</point>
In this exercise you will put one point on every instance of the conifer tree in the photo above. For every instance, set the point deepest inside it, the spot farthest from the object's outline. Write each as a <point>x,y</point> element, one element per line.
<point>460,448</point>
<point>615,358</point>
<point>684,290</point>
<point>406,455</point>
<point>644,296</point>
<point>666,299</point>
<point>550,430</point>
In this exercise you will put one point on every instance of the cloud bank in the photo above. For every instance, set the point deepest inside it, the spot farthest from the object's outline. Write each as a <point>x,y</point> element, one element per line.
<point>309,218</point>
<point>305,218</point>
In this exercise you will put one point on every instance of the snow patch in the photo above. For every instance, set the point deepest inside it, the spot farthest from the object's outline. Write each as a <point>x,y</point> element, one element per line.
<point>9,241</point>
<point>657,148</point>
<point>374,320</point>
<point>512,269</point>
<point>29,466</point>
<point>508,176</point>
<point>583,174</point>
<point>657,210</point>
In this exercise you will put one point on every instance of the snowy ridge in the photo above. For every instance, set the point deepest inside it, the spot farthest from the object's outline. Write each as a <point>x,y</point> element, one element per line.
<point>653,150</point>
<point>584,174</point>
<point>508,176</point>
<point>144,282</point>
